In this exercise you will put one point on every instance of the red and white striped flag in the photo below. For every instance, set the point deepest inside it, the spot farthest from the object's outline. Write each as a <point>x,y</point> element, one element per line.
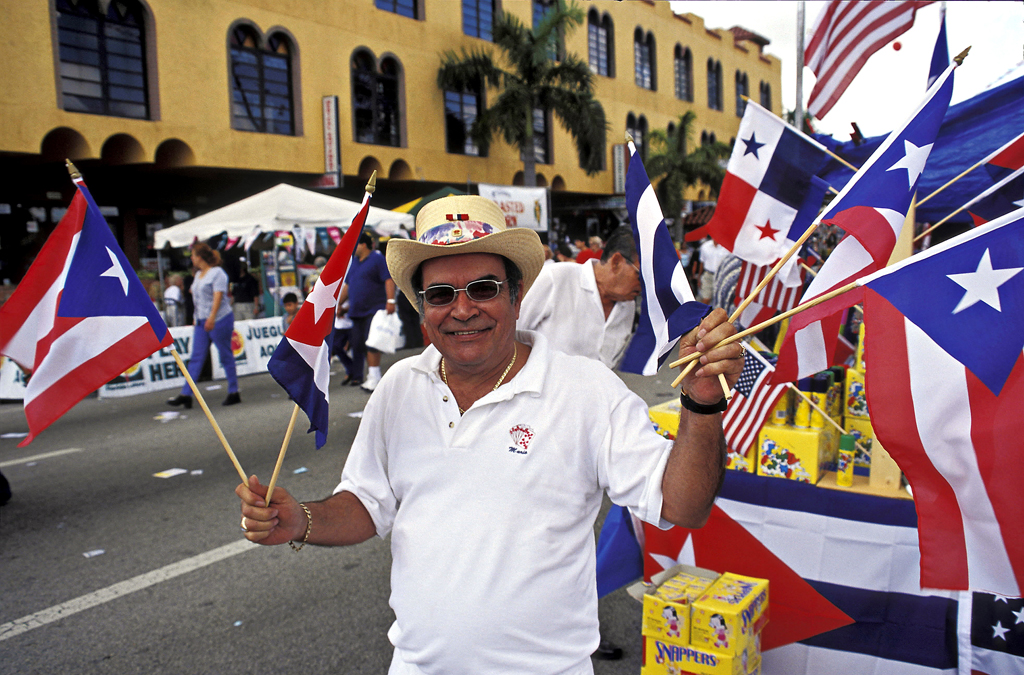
<point>774,297</point>
<point>754,400</point>
<point>845,35</point>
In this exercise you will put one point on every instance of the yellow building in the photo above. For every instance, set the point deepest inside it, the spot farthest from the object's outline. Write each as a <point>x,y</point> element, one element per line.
<point>171,108</point>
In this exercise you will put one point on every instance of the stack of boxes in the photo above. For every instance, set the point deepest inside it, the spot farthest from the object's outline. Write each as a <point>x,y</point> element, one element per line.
<point>701,623</point>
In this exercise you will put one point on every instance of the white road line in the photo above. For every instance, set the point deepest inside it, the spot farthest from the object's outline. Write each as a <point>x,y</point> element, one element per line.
<point>57,612</point>
<point>36,458</point>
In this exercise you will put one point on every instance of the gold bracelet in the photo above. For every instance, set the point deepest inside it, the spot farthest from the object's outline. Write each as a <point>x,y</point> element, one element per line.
<point>309,526</point>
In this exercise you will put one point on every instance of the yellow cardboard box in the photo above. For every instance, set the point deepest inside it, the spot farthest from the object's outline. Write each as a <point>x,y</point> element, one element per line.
<point>797,454</point>
<point>730,615</point>
<point>864,434</point>
<point>742,462</point>
<point>666,612</point>
<point>668,658</point>
<point>665,417</point>
<point>856,401</point>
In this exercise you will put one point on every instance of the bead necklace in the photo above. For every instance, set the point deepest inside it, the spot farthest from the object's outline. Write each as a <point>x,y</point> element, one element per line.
<point>444,375</point>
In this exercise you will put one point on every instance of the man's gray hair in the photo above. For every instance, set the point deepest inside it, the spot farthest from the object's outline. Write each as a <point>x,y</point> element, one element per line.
<point>513,275</point>
<point>620,241</point>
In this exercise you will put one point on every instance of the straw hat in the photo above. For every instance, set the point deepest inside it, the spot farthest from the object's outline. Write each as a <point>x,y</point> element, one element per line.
<point>463,224</point>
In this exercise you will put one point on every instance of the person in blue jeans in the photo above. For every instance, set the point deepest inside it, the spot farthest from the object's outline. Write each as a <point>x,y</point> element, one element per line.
<point>214,322</point>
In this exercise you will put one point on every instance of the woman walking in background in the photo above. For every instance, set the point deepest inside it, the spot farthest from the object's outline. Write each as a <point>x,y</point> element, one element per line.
<point>214,320</point>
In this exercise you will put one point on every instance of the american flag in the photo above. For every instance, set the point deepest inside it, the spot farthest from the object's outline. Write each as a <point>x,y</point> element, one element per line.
<point>774,297</point>
<point>844,37</point>
<point>79,318</point>
<point>992,636</point>
<point>754,400</point>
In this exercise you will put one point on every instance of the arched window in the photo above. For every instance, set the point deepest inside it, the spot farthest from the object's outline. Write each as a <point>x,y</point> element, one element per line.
<point>715,84</point>
<point>261,82</point>
<point>637,128</point>
<point>375,106</point>
<point>643,60</point>
<point>684,73</point>
<point>601,44</point>
<point>742,89</point>
<point>103,66</point>
<point>704,138</point>
<point>461,108</point>
<point>766,96</point>
<point>478,18</point>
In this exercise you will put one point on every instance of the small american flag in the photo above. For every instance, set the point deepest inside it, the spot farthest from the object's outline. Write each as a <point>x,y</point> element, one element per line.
<point>774,297</point>
<point>991,631</point>
<point>755,398</point>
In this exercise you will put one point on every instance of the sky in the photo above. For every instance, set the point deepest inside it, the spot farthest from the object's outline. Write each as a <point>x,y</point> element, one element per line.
<point>892,83</point>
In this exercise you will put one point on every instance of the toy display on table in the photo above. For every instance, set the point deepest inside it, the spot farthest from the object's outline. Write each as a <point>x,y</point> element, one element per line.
<point>697,621</point>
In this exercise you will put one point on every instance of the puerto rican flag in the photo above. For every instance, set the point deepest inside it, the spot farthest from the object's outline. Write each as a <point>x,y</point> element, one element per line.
<point>1006,159</point>
<point>668,310</point>
<point>871,209</point>
<point>79,318</point>
<point>302,363</point>
<point>945,330</point>
<point>1004,197</point>
<point>770,194</point>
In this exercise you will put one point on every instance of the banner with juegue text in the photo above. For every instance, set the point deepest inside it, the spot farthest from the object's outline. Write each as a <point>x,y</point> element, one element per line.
<point>523,207</point>
<point>252,344</point>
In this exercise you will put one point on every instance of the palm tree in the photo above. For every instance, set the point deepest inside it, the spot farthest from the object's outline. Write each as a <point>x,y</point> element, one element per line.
<point>681,169</point>
<point>531,81</point>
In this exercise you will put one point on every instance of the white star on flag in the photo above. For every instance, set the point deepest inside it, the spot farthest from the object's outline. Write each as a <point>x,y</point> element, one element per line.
<point>983,284</point>
<point>323,296</point>
<point>913,161</point>
<point>1020,616</point>
<point>998,631</point>
<point>116,271</point>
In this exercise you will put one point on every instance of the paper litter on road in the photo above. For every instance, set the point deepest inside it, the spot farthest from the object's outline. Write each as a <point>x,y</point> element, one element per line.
<point>358,415</point>
<point>301,469</point>
<point>169,473</point>
<point>196,472</point>
<point>94,553</point>
<point>213,387</point>
<point>15,434</point>
<point>168,415</point>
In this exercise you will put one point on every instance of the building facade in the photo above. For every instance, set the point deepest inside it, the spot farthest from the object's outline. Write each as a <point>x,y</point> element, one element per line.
<point>171,108</point>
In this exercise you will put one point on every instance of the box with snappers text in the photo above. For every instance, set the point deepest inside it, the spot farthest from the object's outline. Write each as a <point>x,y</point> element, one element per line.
<point>730,614</point>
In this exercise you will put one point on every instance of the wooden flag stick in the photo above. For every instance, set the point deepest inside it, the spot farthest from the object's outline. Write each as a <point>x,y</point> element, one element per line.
<point>284,449</point>
<point>750,298</point>
<point>764,324</point>
<point>967,171</point>
<point>921,236</point>
<point>814,274</point>
<point>209,415</point>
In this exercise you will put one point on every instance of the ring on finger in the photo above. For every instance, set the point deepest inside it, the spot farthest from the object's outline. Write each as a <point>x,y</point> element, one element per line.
<point>244,528</point>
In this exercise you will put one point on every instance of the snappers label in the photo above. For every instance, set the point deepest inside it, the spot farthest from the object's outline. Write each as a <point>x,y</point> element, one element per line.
<point>680,654</point>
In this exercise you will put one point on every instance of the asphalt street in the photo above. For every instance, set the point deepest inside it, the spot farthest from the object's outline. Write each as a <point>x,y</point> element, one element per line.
<point>107,568</point>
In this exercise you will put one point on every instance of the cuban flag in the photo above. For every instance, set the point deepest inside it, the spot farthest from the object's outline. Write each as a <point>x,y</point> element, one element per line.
<point>871,209</point>
<point>302,363</point>
<point>79,318</point>
<point>945,330</point>
<point>770,194</point>
<point>668,310</point>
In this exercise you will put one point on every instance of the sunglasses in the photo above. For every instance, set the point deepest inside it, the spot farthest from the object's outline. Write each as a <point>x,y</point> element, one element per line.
<point>478,291</point>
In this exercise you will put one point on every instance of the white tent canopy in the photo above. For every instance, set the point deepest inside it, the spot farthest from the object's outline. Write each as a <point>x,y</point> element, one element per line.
<point>279,208</point>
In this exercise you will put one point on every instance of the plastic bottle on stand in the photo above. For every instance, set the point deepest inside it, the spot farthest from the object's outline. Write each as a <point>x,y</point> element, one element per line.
<point>844,467</point>
<point>802,413</point>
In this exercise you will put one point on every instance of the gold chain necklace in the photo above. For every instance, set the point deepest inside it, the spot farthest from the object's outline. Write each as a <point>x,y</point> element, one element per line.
<point>515,351</point>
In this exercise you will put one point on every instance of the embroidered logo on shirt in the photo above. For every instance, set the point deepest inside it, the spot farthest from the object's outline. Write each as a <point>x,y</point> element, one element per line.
<point>521,435</point>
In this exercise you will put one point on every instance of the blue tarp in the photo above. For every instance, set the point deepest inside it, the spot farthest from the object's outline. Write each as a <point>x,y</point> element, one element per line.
<point>970,131</point>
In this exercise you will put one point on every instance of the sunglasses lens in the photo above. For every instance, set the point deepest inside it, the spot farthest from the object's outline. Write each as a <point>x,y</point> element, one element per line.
<point>485,289</point>
<point>439,295</point>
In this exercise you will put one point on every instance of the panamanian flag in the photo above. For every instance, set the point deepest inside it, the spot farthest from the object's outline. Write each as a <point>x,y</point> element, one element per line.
<point>668,310</point>
<point>79,318</point>
<point>302,362</point>
<point>770,194</point>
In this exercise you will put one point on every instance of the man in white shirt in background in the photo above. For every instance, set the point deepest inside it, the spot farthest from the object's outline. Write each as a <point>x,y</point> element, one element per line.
<point>588,309</point>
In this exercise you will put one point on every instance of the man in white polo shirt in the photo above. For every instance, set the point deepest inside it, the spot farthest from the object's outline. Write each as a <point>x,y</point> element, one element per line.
<point>486,457</point>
